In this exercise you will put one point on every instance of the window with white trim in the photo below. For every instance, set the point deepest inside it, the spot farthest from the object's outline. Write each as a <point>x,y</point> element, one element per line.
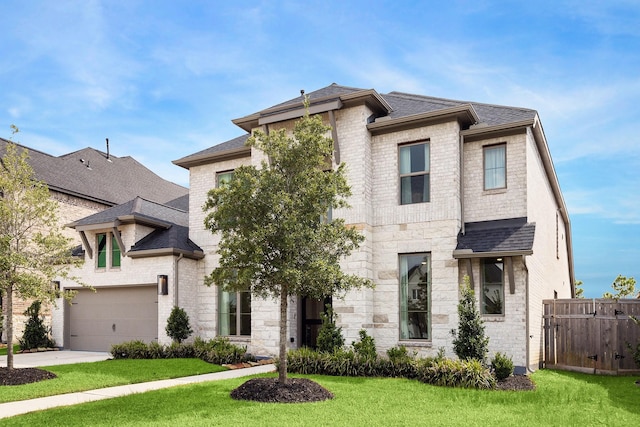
<point>495,166</point>
<point>413,164</point>
<point>108,252</point>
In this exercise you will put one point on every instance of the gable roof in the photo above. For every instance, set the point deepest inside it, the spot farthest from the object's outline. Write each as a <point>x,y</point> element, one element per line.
<point>392,109</point>
<point>93,175</point>
<point>493,238</point>
<point>137,210</point>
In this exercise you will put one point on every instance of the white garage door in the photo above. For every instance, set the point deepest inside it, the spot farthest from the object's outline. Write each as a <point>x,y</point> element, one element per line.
<point>111,316</point>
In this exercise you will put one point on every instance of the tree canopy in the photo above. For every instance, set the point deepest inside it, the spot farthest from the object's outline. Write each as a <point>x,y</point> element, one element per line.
<point>277,238</point>
<point>624,287</point>
<point>33,251</point>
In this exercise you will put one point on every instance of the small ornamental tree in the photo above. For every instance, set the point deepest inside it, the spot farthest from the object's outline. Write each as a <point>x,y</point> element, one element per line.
<point>330,336</point>
<point>273,239</point>
<point>469,341</point>
<point>33,250</point>
<point>36,333</point>
<point>178,328</point>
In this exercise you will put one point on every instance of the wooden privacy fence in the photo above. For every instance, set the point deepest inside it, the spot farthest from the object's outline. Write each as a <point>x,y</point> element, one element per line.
<point>591,335</point>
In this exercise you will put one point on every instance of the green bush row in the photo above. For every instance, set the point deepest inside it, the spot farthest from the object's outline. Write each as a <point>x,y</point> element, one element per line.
<point>218,351</point>
<point>437,371</point>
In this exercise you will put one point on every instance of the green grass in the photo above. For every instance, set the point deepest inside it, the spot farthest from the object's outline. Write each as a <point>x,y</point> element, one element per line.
<point>561,399</point>
<point>108,373</point>
<point>3,350</point>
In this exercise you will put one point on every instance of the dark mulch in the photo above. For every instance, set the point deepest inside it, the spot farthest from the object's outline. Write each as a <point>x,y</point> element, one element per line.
<point>516,383</point>
<point>18,376</point>
<point>270,390</point>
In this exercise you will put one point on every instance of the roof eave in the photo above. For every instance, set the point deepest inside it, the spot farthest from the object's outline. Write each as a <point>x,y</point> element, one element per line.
<point>468,253</point>
<point>479,132</point>
<point>203,159</point>
<point>464,113</point>
<point>318,105</point>
<point>147,253</point>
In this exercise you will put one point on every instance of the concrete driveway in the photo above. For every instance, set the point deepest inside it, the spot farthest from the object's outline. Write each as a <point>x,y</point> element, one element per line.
<point>48,358</point>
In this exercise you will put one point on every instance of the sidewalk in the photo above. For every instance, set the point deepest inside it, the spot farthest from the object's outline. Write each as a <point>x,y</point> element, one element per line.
<point>11,409</point>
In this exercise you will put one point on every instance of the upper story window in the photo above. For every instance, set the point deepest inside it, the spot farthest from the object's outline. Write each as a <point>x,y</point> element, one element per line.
<point>495,166</point>
<point>108,252</point>
<point>492,286</point>
<point>414,173</point>
<point>223,178</point>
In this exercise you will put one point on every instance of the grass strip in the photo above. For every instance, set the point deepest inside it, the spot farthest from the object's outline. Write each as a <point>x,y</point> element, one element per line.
<point>108,373</point>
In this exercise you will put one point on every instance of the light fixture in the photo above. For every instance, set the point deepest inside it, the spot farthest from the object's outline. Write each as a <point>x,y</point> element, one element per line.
<point>163,284</point>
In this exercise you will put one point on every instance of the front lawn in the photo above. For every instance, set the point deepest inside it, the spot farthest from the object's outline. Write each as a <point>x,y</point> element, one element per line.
<point>561,398</point>
<point>108,373</point>
<point>3,349</point>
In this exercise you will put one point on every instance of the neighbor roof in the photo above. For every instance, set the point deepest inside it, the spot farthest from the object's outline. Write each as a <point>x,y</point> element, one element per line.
<point>505,236</point>
<point>93,175</point>
<point>171,234</point>
<point>136,210</point>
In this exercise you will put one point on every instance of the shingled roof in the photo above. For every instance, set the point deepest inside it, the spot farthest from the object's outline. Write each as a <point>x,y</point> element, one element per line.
<point>508,236</point>
<point>171,234</point>
<point>93,175</point>
<point>394,105</point>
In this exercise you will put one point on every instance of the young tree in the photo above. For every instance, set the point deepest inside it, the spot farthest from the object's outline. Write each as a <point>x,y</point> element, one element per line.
<point>274,240</point>
<point>623,286</point>
<point>33,251</point>
<point>469,341</point>
<point>178,328</point>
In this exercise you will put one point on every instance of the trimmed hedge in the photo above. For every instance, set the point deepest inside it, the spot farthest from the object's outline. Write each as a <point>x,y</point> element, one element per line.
<point>436,371</point>
<point>218,351</point>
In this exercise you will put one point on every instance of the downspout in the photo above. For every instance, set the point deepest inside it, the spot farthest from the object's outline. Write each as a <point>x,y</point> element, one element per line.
<point>462,228</point>
<point>526,321</point>
<point>176,279</point>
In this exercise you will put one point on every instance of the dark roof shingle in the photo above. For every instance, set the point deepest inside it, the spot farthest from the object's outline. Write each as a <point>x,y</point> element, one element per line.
<point>506,235</point>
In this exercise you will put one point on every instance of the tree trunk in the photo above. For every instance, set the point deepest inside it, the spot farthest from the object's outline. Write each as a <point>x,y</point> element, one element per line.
<point>282,368</point>
<point>9,315</point>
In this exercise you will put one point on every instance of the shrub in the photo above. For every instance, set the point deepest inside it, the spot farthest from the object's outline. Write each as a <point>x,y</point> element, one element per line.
<point>304,360</point>
<point>178,328</point>
<point>330,336</point>
<point>399,353</point>
<point>458,373</point>
<point>635,351</point>
<point>469,341</point>
<point>220,351</point>
<point>36,333</point>
<point>130,350</point>
<point>502,366</point>
<point>366,348</point>
<point>155,350</point>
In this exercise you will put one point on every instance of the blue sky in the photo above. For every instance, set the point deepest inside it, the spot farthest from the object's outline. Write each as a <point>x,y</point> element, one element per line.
<point>164,79</point>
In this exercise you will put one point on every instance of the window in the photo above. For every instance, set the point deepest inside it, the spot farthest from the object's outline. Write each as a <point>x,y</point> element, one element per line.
<point>492,286</point>
<point>414,173</point>
<point>415,296</point>
<point>224,178</point>
<point>108,250</point>
<point>495,167</point>
<point>234,313</point>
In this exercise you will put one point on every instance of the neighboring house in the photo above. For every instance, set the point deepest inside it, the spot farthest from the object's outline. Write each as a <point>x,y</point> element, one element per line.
<point>88,181</point>
<point>442,189</point>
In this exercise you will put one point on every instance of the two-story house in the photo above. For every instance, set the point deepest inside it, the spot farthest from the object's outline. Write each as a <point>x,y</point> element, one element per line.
<point>88,181</point>
<point>442,189</point>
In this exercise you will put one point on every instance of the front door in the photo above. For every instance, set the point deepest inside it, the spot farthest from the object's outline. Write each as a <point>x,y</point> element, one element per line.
<point>311,321</point>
